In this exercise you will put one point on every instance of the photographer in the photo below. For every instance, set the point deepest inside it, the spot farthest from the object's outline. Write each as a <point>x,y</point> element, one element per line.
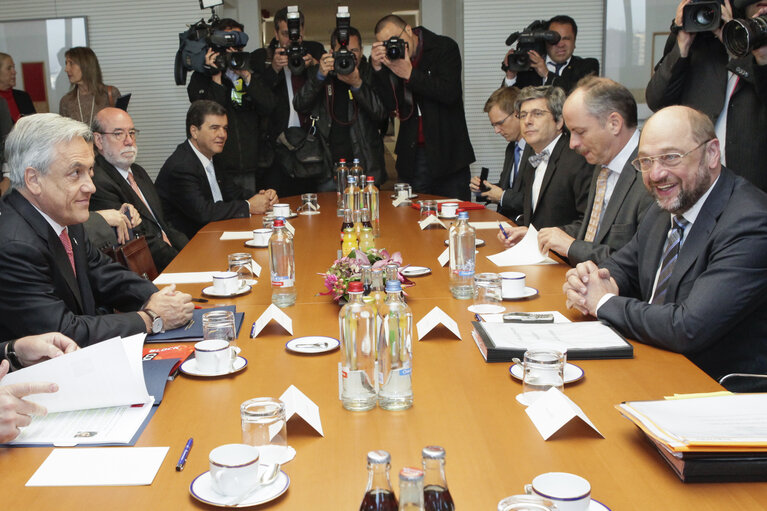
<point>696,71</point>
<point>273,62</point>
<point>245,99</point>
<point>348,108</point>
<point>560,68</point>
<point>421,83</point>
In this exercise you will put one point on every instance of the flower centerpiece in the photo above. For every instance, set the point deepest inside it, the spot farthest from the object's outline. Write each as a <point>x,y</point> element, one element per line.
<point>349,269</point>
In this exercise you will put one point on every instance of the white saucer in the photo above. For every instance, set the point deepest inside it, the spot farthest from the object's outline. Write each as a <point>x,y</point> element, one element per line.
<point>572,372</point>
<point>486,308</point>
<point>202,489</point>
<point>292,214</point>
<point>477,242</point>
<point>595,505</point>
<point>415,271</point>
<point>190,367</point>
<point>209,291</point>
<point>446,217</point>
<point>301,344</point>
<point>275,454</point>
<point>529,291</point>
<point>253,244</point>
<point>309,212</point>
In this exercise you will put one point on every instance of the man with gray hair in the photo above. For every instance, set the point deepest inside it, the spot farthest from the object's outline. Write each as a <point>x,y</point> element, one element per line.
<point>52,277</point>
<point>555,179</point>
<point>602,118</point>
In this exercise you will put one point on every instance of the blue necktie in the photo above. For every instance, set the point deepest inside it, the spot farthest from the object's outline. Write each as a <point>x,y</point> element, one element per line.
<point>515,168</point>
<point>670,255</point>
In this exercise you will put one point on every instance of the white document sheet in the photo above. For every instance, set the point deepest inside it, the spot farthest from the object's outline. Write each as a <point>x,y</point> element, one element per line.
<point>490,225</point>
<point>558,336</point>
<point>194,277</point>
<point>236,235</point>
<point>100,466</point>
<point>298,403</point>
<point>523,253</point>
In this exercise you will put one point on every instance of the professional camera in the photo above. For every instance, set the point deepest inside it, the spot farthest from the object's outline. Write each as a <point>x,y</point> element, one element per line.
<point>395,48</point>
<point>741,36</point>
<point>534,37</point>
<point>344,61</point>
<point>194,44</point>
<point>702,15</point>
<point>295,51</point>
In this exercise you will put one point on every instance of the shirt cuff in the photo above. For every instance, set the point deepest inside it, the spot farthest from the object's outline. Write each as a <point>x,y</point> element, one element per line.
<point>602,301</point>
<point>509,82</point>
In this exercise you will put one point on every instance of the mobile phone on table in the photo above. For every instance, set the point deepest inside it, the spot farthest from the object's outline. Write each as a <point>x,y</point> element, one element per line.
<point>528,317</point>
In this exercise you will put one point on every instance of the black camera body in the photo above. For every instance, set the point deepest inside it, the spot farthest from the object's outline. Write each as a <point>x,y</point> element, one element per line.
<point>295,51</point>
<point>344,61</point>
<point>395,48</point>
<point>702,15</point>
<point>195,42</point>
<point>534,37</point>
<point>741,36</point>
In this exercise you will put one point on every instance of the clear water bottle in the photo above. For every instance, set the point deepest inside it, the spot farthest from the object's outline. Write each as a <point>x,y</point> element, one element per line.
<point>395,351</point>
<point>436,496</point>
<point>462,237</point>
<point>357,172</point>
<point>342,173</point>
<point>356,323</point>
<point>411,489</point>
<point>282,265</point>
<point>351,194</point>
<point>379,495</point>
<point>370,202</point>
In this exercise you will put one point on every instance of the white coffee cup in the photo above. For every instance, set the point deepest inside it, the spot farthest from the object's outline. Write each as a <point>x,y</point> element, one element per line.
<point>568,491</point>
<point>281,210</point>
<point>225,282</point>
<point>214,356</point>
<point>233,468</point>
<point>449,209</point>
<point>261,236</point>
<point>512,283</point>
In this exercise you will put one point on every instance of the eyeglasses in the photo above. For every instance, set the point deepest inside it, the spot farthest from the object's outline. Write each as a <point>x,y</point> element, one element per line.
<point>119,135</point>
<point>498,124</point>
<point>536,114</point>
<point>668,160</point>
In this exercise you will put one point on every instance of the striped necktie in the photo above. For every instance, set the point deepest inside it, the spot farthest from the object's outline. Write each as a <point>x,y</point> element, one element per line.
<point>64,237</point>
<point>673,244</point>
<point>596,209</point>
<point>137,190</point>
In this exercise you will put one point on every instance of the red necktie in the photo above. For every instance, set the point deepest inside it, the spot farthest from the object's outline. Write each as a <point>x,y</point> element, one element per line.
<point>64,237</point>
<point>132,183</point>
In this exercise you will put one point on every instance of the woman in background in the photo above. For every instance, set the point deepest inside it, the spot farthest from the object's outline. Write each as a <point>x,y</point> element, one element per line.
<point>19,102</point>
<point>88,94</point>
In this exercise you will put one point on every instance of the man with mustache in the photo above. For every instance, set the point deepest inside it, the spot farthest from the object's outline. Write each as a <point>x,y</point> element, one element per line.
<point>119,180</point>
<point>706,234</point>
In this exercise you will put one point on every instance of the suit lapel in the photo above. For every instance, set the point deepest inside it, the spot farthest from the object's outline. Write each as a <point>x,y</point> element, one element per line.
<point>653,252</point>
<point>85,296</point>
<point>551,166</point>
<point>621,190</point>
<point>527,173</point>
<point>125,188</point>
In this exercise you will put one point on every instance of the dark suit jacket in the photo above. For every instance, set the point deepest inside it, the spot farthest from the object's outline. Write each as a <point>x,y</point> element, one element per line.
<point>185,192</point>
<point>436,88</point>
<point>628,204</point>
<point>112,191</point>
<point>564,190</point>
<point>24,102</point>
<point>576,69</point>
<point>700,81</point>
<point>715,303</point>
<point>511,200</point>
<point>40,291</point>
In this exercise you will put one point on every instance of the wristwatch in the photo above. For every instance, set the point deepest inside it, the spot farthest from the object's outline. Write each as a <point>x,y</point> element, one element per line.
<point>11,356</point>
<point>157,323</point>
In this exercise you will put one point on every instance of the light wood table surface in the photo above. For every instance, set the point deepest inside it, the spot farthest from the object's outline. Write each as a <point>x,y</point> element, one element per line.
<point>461,403</point>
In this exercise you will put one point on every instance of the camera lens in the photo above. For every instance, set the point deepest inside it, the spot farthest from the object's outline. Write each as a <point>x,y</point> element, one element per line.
<point>741,36</point>
<point>705,16</point>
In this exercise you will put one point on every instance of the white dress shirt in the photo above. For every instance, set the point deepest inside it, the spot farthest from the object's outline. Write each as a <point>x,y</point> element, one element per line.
<point>210,173</point>
<point>540,171</point>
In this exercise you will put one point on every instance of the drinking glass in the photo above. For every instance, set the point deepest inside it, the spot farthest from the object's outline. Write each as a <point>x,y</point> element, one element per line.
<point>543,369</point>
<point>242,264</point>
<point>309,205</point>
<point>263,422</point>
<point>428,208</point>
<point>219,324</point>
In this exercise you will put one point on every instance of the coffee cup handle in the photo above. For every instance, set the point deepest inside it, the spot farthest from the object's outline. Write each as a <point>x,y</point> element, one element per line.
<point>529,489</point>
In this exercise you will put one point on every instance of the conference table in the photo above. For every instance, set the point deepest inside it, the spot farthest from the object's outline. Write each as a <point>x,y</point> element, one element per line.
<point>462,403</point>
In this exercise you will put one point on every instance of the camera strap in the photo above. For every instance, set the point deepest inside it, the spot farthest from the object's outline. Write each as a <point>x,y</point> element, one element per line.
<point>330,105</point>
<point>407,96</point>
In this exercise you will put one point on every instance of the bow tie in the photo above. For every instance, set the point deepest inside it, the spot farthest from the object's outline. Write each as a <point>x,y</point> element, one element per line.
<point>537,159</point>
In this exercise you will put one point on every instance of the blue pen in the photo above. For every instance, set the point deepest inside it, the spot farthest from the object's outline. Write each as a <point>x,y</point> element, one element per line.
<point>478,317</point>
<point>182,460</point>
<point>503,231</point>
<point>253,330</point>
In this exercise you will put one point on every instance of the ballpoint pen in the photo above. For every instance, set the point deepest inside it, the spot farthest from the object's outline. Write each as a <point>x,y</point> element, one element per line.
<point>184,454</point>
<point>503,231</point>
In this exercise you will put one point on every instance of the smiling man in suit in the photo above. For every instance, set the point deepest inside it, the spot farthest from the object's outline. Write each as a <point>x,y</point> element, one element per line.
<point>51,276</point>
<point>555,179</point>
<point>193,193</point>
<point>119,181</point>
<point>602,118</point>
<point>706,233</point>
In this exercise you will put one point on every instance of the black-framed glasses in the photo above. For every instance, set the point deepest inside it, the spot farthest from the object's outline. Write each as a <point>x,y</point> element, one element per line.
<point>535,114</point>
<point>668,160</point>
<point>498,124</point>
<point>119,135</point>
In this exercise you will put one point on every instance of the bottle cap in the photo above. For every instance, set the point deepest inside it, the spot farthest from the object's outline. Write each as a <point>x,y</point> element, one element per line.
<point>433,452</point>
<point>356,287</point>
<point>380,456</point>
<point>411,474</point>
<point>393,286</point>
<point>350,179</point>
<point>342,160</point>
<point>355,160</point>
<point>464,215</point>
<point>279,222</point>
<point>371,178</point>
